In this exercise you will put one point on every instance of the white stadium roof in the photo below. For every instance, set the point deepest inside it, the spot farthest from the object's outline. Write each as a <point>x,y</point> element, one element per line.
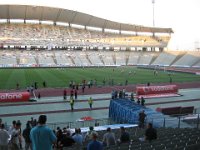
<point>42,13</point>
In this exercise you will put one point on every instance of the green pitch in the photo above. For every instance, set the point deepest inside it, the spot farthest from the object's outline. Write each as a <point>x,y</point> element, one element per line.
<point>57,77</point>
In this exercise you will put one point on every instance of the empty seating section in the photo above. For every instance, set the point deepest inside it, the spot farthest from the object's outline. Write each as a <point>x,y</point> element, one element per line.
<point>165,58</point>
<point>121,58</point>
<point>133,58</point>
<point>25,58</point>
<point>145,58</point>
<point>83,58</point>
<point>43,35</point>
<point>95,59</point>
<point>197,64</point>
<point>8,59</point>
<point>75,57</point>
<point>108,58</point>
<point>62,58</point>
<point>45,59</point>
<point>188,60</point>
<point>168,138</point>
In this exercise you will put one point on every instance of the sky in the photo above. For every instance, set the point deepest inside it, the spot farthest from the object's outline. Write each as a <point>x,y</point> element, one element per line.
<point>183,16</point>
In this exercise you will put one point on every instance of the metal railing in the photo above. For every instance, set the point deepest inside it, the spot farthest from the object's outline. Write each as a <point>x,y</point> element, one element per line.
<point>189,121</point>
<point>80,124</point>
<point>183,121</point>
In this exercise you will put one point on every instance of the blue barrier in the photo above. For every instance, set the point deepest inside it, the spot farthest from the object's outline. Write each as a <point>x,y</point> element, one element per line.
<point>126,111</point>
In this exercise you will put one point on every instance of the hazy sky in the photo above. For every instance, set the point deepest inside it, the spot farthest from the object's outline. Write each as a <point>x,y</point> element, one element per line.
<point>183,16</point>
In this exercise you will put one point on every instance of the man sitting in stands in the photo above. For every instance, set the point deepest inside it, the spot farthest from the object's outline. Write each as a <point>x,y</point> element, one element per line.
<point>150,133</point>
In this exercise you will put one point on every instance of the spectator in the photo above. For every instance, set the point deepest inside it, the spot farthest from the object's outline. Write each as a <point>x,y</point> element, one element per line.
<point>41,136</point>
<point>109,138</point>
<point>26,135</point>
<point>150,133</point>
<point>78,138</point>
<point>142,117</point>
<point>68,130</point>
<point>59,135</point>
<point>4,136</point>
<point>67,140</point>
<point>94,144</point>
<point>88,135</point>
<point>124,137</point>
<point>16,137</point>
<point>12,127</point>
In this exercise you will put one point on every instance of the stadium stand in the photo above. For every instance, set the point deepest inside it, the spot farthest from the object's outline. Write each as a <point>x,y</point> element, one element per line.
<point>48,58</point>
<point>165,58</point>
<point>94,57</point>
<point>44,35</point>
<point>121,58</point>
<point>108,58</point>
<point>27,59</point>
<point>188,60</point>
<point>145,58</point>
<point>133,58</point>
<point>63,59</point>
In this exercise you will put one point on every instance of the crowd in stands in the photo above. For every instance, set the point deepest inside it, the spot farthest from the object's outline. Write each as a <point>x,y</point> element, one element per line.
<point>38,136</point>
<point>43,35</point>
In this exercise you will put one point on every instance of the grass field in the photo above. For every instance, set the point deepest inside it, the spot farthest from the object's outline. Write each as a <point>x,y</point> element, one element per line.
<point>61,77</point>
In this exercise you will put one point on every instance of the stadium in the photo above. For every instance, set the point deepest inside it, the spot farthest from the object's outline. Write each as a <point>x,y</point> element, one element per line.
<point>50,56</point>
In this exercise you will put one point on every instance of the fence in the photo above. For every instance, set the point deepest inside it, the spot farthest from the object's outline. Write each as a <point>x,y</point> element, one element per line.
<point>80,124</point>
<point>189,121</point>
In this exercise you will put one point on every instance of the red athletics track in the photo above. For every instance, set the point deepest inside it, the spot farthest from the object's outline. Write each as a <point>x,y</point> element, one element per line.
<point>51,92</point>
